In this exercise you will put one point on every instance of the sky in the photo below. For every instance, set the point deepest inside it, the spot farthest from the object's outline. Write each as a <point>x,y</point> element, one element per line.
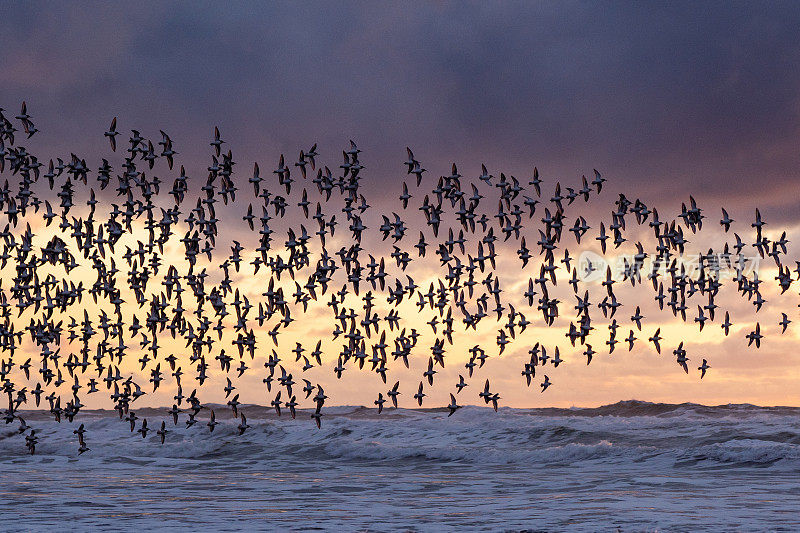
<point>666,100</point>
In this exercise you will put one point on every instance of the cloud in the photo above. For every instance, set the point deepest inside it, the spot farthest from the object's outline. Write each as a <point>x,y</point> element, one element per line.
<point>667,99</point>
<point>659,96</point>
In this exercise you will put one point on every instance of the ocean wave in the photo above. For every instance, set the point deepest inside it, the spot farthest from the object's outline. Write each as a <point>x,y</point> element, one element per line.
<point>675,436</point>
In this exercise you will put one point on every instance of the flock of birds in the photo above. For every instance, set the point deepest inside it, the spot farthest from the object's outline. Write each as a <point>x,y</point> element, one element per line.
<point>78,336</point>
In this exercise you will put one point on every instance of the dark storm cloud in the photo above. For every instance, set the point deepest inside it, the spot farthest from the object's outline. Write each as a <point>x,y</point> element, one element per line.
<point>663,97</point>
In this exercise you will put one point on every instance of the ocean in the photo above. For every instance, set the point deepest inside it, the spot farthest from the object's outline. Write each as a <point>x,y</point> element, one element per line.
<point>631,466</point>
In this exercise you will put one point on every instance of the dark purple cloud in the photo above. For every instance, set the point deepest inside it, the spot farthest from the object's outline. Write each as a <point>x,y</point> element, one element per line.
<point>667,98</point>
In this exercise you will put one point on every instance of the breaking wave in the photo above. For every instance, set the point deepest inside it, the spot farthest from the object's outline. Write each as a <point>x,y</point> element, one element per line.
<point>632,432</point>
